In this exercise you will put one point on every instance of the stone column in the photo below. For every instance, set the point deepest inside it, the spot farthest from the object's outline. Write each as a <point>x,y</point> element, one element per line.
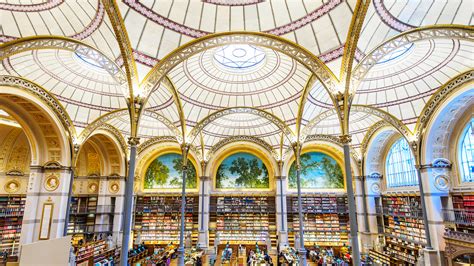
<point>281,209</point>
<point>185,151</point>
<point>302,250</point>
<point>435,185</point>
<point>31,205</point>
<point>204,202</point>
<point>127,210</point>
<point>346,139</point>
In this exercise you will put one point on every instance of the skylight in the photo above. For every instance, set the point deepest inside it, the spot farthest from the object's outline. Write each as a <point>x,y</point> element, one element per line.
<point>239,56</point>
<point>88,61</point>
<point>396,54</point>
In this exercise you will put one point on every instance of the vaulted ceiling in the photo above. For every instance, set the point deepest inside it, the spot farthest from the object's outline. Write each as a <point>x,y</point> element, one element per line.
<point>241,89</point>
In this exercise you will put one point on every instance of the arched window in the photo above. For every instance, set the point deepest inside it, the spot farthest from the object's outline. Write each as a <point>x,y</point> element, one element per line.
<point>466,154</point>
<point>400,165</point>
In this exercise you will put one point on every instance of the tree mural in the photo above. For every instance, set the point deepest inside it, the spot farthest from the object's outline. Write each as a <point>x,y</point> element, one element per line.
<point>242,170</point>
<point>166,172</point>
<point>318,171</point>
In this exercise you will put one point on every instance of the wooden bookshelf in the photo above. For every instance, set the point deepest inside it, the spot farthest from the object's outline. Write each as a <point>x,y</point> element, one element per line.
<point>242,220</point>
<point>158,219</point>
<point>90,250</point>
<point>462,214</point>
<point>11,217</point>
<point>403,227</point>
<point>326,220</point>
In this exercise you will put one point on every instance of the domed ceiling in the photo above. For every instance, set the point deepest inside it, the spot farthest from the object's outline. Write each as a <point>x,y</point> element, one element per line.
<point>215,92</point>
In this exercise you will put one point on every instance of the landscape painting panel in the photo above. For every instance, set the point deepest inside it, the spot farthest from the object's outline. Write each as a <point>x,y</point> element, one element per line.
<point>318,171</point>
<point>165,172</point>
<point>242,170</point>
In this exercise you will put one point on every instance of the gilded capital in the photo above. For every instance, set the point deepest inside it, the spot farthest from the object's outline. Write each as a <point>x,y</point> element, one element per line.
<point>345,139</point>
<point>133,141</point>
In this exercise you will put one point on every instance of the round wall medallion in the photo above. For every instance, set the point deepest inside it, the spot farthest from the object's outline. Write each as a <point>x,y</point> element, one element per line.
<point>114,187</point>
<point>51,183</point>
<point>442,183</point>
<point>12,186</point>
<point>375,188</point>
<point>93,187</point>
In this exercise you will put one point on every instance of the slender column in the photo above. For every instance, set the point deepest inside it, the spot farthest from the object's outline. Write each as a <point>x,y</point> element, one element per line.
<point>346,139</point>
<point>127,208</point>
<point>185,150</point>
<point>302,251</point>
<point>68,206</point>
<point>423,208</point>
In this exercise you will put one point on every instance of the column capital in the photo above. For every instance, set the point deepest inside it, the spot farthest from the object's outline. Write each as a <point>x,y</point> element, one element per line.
<point>204,178</point>
<point>133,141</point>
<point>280,177</point>
<point>345,139</point>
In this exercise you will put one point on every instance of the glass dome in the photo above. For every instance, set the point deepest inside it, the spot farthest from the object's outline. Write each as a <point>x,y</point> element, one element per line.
<point>240,56</point>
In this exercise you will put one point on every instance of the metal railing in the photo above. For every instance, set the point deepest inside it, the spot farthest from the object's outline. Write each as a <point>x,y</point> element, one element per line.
<point>88,209</point>
<point>456,235</point>
<point>405,212</point>
<point>458,216</point>
<point>83,228</point>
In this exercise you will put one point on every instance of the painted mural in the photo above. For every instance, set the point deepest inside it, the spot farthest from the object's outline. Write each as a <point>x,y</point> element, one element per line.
<point>318,171</point>
<point>242,170</point>
<point>165,172</point>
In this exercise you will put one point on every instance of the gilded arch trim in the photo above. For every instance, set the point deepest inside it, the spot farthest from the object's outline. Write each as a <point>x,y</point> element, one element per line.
<point>219,145</point>
<point>460,32</point>
<point>122,112</point>
<point>236,110</point>
<point>63,43</point>
<point>43,95</point>
<point>300,54</point>
<point>370,133</point>
<point>438,98</point>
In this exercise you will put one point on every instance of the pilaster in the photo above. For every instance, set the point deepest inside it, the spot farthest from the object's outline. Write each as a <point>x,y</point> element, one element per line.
<point>281,209</point>
<point>204,203</point>
<point>45,184</point>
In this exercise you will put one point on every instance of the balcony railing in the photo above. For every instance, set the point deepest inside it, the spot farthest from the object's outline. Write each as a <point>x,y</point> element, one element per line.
<point>405,212</point>
<point>458,216</point>
<point>461,236</point>
<point>88,209</point>
<point>83,228</point>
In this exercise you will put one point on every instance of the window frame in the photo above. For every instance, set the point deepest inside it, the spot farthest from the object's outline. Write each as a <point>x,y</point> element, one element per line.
<point>459,149</point>
<point>406,177</point>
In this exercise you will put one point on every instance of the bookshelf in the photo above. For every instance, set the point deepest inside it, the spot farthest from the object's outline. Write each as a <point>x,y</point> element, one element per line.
<point>158,219</point>
<point>242,220</point>
<point>84,215</point>
<point>463,213</point>
<point>89,251</point>
<point>403,227</point>
<point>11,218</point>
<point>326,219</point>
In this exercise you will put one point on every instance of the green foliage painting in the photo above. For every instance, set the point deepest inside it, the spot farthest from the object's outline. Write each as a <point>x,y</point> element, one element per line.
<point>318,171</point>
<point>166,172</point>
<point>242,170</point>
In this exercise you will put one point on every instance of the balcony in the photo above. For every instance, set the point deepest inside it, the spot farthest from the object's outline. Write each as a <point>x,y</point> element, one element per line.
<point>405,212</point>
<point>459,236</point>
<point>459,217</point>
<point>100,209</point>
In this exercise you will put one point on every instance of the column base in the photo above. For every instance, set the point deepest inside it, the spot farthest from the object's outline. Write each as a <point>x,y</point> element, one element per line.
<point>282,238</point>
<point>202,239</point>
<point>367,240</point>
<point>431,257</point>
